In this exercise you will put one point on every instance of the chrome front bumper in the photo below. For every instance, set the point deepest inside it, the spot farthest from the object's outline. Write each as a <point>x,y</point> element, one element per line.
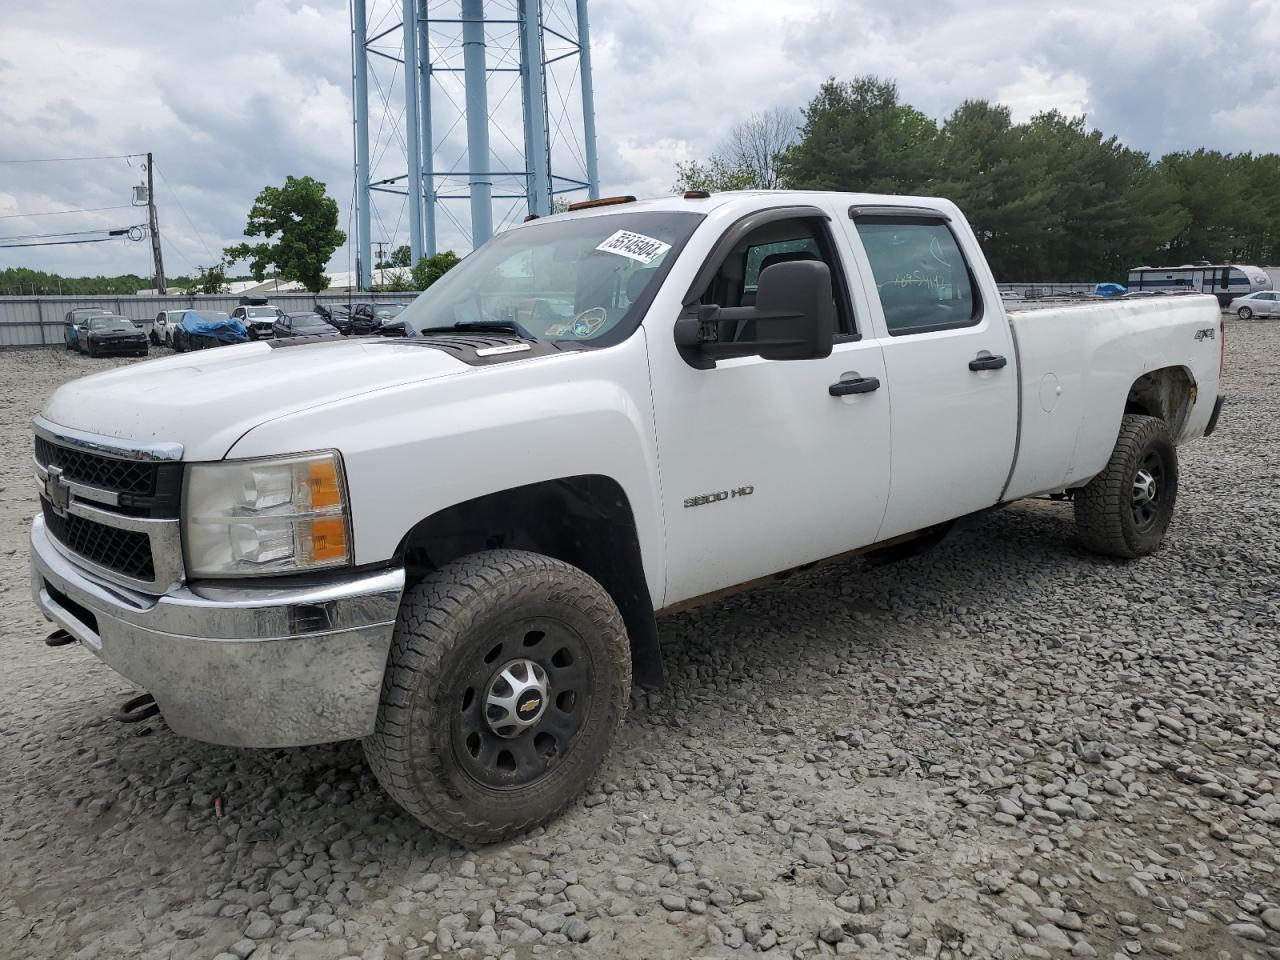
<point>263,665</point>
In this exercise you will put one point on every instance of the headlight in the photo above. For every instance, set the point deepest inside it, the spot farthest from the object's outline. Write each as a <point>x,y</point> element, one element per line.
<point>275,515</point>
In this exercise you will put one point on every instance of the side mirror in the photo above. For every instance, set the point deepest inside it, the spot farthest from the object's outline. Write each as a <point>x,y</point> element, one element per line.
<point>794,318</point>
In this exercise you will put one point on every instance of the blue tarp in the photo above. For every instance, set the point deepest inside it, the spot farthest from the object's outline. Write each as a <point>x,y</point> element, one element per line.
<point>1110,290</point>
<point>216,325</point>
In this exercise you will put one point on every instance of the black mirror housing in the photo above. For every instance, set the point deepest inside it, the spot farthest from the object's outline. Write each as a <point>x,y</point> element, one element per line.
<point>794,318</point>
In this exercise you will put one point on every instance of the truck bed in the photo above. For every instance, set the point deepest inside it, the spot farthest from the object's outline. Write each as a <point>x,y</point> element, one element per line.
<point>1076,364</point>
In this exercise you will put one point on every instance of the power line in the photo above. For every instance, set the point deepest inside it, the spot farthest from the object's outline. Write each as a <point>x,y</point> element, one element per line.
<point>58,243</point>
<point>190,223</point>
<point>58,213</point>
<point>115,156</point>
<point>74,233</point>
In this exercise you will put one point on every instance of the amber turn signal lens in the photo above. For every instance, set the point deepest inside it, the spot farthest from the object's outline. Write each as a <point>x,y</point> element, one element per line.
<point>324,485</point>
<point>328,540</point>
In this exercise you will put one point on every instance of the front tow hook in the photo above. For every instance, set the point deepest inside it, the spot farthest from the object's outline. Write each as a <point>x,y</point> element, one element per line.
<point>141,707</point>
<point>59,638</point>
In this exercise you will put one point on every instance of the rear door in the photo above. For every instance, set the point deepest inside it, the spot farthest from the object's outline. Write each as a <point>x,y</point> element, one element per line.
<point>950,366</point>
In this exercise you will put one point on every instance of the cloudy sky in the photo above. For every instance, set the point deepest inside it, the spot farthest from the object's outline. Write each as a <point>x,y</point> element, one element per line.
<point>237,94</point>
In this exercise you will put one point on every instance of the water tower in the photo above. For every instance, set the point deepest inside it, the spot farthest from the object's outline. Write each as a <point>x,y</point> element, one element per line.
<point>446,150</point>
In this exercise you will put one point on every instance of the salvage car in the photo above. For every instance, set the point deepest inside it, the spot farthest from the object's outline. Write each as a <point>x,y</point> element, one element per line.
<point>454,545</point>
<point>107,335</point>
<point>302,325</point>
<point>165,323</point>
<point>336,314</point>
<point>71,324</point>
<point>369,318</point>
<point>258,319</point>
<point>201,329</point>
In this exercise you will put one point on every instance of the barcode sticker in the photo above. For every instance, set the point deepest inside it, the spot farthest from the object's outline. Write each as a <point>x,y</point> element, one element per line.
<point>636,246</point>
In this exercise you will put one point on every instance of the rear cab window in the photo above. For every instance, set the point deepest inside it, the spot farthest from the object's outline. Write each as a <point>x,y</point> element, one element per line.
<point>923,279</point>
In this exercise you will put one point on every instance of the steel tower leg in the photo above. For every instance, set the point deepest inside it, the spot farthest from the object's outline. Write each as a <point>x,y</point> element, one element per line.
<point>588,103</point>
<point>475,73</point>
<point>536,148</point>
<point>363,246</point>
<point>412,139</point>
<point>428,139</point>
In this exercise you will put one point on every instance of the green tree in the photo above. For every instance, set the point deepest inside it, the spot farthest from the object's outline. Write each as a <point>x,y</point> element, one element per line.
<point>299,226</point>
<point>1214,189</point>
<point>986,170</point>
<point>1260,222</point>
<point>431,269</point>
<point>1105,210</point>
<point>25,282</point>
<point>747,158</point>
<point>858,136</point>
<point>714,175</point>
<point>401,256</point>
<point>208,280</point>
<point>395,281</point>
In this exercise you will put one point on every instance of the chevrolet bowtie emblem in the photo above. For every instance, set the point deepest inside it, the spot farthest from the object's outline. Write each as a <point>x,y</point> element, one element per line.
<point>57,491</point>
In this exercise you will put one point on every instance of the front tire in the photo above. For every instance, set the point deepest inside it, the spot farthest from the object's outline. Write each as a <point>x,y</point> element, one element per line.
<point>1126,509</point>
<point>1244,313</point>
<point>508,678</point>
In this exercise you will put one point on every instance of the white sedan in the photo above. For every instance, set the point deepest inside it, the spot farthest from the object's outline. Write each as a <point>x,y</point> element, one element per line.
<point>1264,303</point>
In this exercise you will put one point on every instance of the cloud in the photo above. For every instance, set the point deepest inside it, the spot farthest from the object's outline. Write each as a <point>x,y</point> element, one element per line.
<point>236,95</point>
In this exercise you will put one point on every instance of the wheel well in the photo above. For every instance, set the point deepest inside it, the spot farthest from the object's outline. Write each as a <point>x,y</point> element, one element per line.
<point>1168,393</point>
<point>585,521</point>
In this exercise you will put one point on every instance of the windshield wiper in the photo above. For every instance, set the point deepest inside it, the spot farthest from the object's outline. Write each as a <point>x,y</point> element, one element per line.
<point>484,326</point>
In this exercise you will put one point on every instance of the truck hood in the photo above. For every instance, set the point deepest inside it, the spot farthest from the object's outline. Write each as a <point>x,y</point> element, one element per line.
<point>208,399</point>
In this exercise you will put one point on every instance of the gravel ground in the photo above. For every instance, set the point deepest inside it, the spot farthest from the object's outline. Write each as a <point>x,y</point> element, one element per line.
<point>1007,748</point>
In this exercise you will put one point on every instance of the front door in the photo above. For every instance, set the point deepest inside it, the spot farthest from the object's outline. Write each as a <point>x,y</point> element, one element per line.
<point>951,370</point>
<point>763,468</point>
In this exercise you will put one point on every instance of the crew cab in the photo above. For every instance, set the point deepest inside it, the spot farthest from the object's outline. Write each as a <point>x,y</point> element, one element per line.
<point>454,545</point>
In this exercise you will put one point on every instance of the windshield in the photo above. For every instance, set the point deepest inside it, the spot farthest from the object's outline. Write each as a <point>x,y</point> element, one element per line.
<point>110,323</point>
<point>260,311</point>
<point>571,280</point>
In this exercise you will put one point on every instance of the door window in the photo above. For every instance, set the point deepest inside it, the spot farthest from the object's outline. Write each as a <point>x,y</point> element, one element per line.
<point>922,277</point>
<point>804,238</point>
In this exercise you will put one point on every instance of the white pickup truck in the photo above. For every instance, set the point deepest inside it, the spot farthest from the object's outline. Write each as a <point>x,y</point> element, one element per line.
<point>454,545</point>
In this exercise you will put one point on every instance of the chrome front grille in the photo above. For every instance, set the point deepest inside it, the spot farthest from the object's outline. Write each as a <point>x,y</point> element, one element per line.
<point>126,551</point>
<point>124,476</point>
<point>112,507</point>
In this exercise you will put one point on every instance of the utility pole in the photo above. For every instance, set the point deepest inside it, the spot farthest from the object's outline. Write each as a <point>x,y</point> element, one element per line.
<point>154,222</point>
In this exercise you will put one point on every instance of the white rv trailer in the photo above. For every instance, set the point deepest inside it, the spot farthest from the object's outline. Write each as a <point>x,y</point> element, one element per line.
<point>1226,281</point>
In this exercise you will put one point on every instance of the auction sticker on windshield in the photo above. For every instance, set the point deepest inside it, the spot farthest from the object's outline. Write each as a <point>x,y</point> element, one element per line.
<point>635,245</point>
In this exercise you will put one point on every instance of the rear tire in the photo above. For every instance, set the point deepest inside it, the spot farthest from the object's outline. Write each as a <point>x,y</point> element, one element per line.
<point>445,748</point>
<point>178,343</point>
<point>1126,509</point>
<point>1244,313</point>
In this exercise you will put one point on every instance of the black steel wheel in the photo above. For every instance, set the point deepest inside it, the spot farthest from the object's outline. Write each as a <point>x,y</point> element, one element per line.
<point>1147,487</point>
<point>523,704</point>
<point>1126,509</point>
<point>509,675</point>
